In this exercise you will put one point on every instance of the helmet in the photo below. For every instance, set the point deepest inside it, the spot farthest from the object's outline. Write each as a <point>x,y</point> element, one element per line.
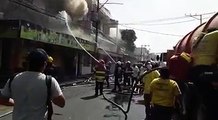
<point>109,62</point>
<point>118,62</point>
<point>128,62</point>
<point>50,59</point>
<point>101,61</point>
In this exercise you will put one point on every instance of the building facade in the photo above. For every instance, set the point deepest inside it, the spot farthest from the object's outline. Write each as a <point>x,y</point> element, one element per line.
<point>27,24</point>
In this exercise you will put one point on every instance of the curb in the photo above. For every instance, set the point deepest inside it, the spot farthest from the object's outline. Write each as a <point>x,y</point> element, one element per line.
<point>5,114</point>
<point>75,82</point>
<point>5,110</point>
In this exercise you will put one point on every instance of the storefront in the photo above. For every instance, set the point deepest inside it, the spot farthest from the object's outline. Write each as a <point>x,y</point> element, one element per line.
<point>17,37</point>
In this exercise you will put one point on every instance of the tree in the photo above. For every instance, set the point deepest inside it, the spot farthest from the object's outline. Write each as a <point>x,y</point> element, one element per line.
<point>129,36</point>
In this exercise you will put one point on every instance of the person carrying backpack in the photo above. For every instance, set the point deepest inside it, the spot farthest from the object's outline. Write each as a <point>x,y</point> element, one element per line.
<point>29,89</point>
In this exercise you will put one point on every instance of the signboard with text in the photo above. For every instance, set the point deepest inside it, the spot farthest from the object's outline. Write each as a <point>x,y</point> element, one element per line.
<point>51,37</point>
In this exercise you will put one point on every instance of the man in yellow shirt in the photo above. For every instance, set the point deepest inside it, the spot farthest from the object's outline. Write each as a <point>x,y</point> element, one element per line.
<point>163,92</point>
<point>147,79</point>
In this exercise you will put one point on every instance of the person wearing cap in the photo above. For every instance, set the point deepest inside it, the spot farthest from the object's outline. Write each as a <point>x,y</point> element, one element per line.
<point>50,68</point>
<point>118,75</point>
<point>28,89</point>
<point>164,93</point>
<point>100,71</point>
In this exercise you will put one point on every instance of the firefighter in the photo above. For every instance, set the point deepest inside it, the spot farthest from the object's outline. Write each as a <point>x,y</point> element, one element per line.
<point>118,75</point>
<point>127,74</point>
<point>50,68</point>
<point>100,71</point>
<point>108,68</point>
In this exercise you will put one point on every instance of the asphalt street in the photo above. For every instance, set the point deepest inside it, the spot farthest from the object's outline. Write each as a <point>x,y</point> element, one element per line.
<point>81,104</point>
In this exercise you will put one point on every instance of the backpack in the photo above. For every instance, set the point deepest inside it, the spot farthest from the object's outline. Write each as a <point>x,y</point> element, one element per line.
<point>48,102</point>
<point>48,79</point>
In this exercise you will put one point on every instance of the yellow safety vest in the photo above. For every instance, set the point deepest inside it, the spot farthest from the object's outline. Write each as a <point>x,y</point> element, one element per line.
<point>100,76</point>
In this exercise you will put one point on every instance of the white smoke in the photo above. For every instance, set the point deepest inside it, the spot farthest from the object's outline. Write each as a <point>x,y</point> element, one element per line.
<point>76,8</point>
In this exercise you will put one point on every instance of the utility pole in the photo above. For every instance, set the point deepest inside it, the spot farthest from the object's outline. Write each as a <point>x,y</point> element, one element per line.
<point>199,16</point>
<point>97,23</point>
<point>141,52</point>
<point>96,28</point>
<point>196,16</point>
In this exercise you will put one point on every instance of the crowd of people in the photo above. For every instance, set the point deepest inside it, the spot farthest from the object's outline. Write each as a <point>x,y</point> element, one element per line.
<point>161,94</point>
<point>161,91</point>
<point>125,74</point>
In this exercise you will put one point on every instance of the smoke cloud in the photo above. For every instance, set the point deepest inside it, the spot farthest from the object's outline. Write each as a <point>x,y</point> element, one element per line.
<point>76,8</point>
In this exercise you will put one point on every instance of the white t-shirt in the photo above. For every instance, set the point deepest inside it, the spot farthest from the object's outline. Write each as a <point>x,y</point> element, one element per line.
<point>135,71</point>
<point>29,91</point>
<point>142,70</point>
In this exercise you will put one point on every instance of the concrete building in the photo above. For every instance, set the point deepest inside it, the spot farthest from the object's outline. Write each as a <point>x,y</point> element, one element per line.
<point>27,24</point>
<point>142,53</point>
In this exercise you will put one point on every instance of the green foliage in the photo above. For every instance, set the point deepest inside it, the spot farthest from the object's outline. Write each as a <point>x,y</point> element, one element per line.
<point>129,36</point>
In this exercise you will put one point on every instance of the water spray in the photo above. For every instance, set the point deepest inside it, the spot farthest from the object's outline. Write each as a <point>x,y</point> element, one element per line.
<point>66,19</point>
<point>108,54</point>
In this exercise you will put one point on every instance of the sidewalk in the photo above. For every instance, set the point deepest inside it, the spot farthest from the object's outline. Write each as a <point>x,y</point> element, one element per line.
<point>5,110</point>
<point>75,82</point>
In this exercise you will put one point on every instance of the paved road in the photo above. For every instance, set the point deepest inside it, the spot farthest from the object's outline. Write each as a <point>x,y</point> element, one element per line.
<point>82,105</point>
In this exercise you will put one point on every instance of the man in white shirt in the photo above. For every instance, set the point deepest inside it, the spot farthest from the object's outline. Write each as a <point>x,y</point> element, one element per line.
<point>135,73</point>
<point>28,90</point>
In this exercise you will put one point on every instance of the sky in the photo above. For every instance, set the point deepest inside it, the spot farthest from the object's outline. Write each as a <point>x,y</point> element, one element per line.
<point>160,24</point>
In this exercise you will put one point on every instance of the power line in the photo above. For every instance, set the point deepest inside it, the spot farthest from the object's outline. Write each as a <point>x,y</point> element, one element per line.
<point>169,23</point>
<point>159,23</point>
<point>198,15</point>
<point>206,13</point>
<point>153,31</point>
<point>166,19</point>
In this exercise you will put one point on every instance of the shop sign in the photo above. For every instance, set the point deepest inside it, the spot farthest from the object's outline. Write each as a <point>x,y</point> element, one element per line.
<point>52,37</point>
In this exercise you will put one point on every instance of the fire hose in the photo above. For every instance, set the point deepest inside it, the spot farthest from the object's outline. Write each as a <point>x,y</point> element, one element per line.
<point>125,112</point>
